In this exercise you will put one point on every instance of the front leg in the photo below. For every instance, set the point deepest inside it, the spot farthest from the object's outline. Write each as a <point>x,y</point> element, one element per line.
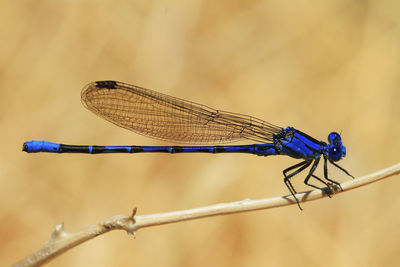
<point>329,191</point>
<point>326,174</point>
<point>340,168</point>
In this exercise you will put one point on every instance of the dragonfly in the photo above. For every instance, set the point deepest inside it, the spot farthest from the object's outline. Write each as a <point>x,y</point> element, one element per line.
<point>202,129</point>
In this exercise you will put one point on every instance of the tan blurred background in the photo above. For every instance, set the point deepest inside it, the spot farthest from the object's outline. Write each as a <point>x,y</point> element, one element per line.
<point>319,66</point>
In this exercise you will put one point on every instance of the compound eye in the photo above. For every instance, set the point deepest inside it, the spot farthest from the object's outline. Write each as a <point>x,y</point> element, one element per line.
<point>334,138</point>
<point>335,153</point>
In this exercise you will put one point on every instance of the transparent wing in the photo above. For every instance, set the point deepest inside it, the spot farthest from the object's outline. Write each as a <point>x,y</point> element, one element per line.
<point>164,117</point>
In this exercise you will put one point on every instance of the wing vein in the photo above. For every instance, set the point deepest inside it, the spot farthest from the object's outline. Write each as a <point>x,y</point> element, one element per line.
<point>164,117</point>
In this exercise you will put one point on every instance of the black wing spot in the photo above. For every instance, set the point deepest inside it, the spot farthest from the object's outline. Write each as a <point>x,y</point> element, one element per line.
<point>106,84</point>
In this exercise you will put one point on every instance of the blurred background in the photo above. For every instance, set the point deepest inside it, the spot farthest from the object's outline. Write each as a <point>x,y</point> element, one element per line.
<point>319,66</point>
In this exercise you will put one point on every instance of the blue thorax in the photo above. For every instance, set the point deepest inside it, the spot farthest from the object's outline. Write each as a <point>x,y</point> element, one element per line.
<point>297,144</point>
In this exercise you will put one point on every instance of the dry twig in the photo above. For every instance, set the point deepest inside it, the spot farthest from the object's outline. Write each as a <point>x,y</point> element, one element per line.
<point>60,241</point>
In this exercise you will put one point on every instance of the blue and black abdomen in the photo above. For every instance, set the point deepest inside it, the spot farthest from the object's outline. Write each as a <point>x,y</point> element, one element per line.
<point>44,146</point>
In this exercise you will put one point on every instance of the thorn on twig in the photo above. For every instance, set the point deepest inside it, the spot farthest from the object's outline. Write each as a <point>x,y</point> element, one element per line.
<point>57,232</point>
<point>132,229</point>
<point>133,214</point>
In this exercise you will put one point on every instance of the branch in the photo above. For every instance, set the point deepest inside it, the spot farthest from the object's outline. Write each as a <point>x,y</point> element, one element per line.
<point>60,241</point>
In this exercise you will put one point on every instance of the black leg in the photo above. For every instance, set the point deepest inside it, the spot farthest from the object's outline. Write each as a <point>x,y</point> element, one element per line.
<point>319,179</point>
<point>328,192</point>
<point>301,166</point>
<point>326,174</point>
<point>311,173</point>
<point>294,167</point>
<point>343,170</point>
<point>298,165</point>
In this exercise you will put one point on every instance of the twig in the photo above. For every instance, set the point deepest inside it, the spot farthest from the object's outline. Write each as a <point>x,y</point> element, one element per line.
<point>60,241</point>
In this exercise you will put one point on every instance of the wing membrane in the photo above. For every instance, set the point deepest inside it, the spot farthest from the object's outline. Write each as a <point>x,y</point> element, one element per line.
<point>164,117</point>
